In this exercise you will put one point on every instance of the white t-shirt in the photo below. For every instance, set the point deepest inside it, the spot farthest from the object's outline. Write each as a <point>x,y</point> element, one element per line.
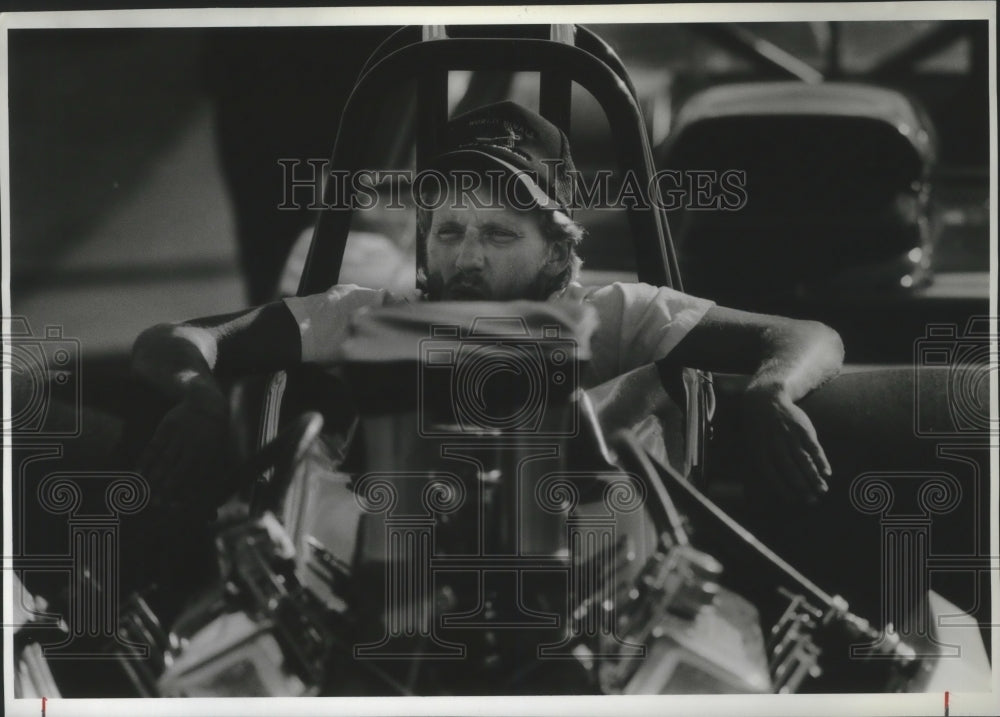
<point>637,323</point>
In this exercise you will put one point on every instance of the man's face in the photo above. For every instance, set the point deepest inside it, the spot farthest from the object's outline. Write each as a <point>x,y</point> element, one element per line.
<point>489,253</point>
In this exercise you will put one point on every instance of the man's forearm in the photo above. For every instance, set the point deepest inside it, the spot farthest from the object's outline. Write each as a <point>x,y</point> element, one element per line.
<point>183,358</point>
<point>801,356</point>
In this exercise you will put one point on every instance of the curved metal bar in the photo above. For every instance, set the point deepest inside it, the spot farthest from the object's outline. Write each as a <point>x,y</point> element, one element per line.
<point>649,230</point>
<point>587,39</point>
<point>409,33</point>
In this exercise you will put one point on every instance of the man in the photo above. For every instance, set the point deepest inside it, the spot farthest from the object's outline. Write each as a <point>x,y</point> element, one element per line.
<point>518,243</point>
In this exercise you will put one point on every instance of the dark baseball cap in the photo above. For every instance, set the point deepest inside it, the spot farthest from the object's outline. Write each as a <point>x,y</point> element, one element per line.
<point>509,137</point>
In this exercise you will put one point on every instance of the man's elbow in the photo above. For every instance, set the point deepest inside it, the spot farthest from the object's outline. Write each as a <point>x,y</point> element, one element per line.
<point>164,340</point>
<point>151,338</point>
<point>826,342</point>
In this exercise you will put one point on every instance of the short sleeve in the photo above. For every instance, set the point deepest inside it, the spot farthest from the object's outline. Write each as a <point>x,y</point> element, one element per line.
<point>323,319</point>
<point>640,324</point>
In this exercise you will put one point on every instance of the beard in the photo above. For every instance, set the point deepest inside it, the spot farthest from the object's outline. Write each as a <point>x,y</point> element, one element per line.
<point>471,286</point>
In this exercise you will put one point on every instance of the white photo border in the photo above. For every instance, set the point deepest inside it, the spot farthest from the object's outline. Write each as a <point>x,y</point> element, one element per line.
<point>903,704</point>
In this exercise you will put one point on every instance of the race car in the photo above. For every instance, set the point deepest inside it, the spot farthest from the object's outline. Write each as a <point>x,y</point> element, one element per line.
<point>503,545</point>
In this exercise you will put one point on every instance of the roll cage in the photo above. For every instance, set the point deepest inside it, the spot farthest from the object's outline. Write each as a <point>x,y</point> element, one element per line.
<point>561,55</point>
<point>570,54</point>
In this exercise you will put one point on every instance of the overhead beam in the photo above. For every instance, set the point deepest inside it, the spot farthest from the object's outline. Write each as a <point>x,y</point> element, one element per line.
<point>761,53</point>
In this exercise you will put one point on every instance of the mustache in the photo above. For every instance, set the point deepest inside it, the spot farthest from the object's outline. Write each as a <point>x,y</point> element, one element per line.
<point>467,283</point>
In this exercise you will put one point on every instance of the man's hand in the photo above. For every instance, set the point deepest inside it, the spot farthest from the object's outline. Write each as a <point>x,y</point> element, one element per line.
<point>786,359</point>
<point>783,444</point>
<point>185,461</point>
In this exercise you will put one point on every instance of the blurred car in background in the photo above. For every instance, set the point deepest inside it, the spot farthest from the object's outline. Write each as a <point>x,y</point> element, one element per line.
<point>864,150</point>
<point>837,194</point>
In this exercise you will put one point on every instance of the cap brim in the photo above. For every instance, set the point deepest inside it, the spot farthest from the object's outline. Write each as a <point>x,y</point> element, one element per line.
<point>475,159</point>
